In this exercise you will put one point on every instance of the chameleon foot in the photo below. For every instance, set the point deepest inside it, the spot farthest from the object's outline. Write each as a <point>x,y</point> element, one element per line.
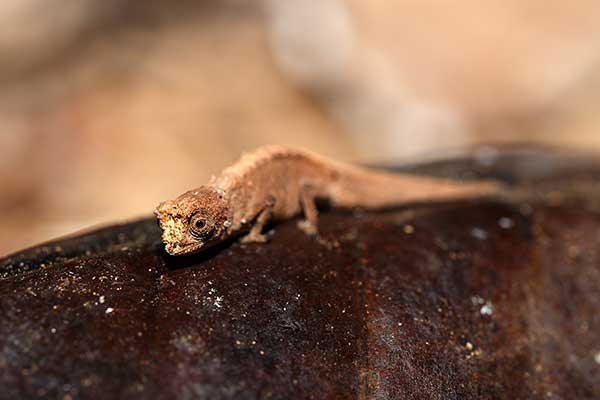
<point>254,238</point>
<point>308,228</point>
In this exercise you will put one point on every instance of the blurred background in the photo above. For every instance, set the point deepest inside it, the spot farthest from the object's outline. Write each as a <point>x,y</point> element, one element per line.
<point>107,108</point>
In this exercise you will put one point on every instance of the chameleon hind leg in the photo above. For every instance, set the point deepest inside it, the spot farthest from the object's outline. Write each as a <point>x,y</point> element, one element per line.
<point>307,202</point>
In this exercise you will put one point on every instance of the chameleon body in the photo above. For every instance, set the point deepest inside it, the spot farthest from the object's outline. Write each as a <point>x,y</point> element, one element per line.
<point>276,183</point>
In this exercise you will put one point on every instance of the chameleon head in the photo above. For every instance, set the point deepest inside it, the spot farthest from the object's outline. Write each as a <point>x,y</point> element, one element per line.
<point>193,221</point>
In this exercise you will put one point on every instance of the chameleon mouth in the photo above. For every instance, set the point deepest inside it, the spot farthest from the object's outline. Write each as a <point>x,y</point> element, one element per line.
<point>183,249</point>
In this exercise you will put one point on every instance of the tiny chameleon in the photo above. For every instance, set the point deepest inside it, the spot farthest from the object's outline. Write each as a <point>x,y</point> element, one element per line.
<point>278,183</point>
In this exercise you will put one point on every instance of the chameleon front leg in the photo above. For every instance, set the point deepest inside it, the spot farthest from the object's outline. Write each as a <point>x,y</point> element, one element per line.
<point>255,235</point>
<point>307,203</point>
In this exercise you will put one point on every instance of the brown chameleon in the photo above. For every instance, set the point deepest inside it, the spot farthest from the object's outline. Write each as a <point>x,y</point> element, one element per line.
<point>276,183</point>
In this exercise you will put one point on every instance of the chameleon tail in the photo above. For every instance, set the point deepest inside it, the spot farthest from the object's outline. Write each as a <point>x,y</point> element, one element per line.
<point>359,187</point>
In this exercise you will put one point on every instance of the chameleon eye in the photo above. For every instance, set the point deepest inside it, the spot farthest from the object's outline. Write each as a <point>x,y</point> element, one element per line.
<point>200,227</point>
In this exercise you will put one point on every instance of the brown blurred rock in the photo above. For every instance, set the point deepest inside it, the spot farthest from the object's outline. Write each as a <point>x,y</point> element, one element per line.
<point>487,299</point>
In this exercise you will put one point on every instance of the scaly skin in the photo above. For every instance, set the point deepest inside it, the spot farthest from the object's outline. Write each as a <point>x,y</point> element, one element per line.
<point>275,183</point>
